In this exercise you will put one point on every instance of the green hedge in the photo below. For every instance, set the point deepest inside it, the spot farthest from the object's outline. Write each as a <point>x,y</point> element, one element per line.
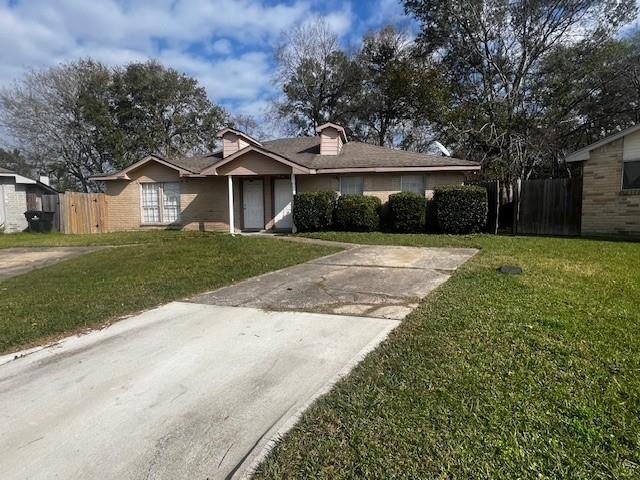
<point>313,211</point>
<point>461,208</point>
<point>407,212</point>
<point>357,213</point>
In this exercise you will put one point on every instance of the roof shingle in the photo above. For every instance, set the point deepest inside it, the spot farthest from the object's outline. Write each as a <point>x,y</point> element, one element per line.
<point>306,151</point>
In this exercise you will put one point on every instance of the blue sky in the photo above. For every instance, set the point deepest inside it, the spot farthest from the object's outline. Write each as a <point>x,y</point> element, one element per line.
<point>225,44</point>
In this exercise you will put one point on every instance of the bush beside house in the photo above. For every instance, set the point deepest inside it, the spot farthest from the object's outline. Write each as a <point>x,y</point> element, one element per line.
<point>313,211</point>
<point>454,209</point>
<point>357,213</point>
<point>461,208</point>
<point>407,212</point>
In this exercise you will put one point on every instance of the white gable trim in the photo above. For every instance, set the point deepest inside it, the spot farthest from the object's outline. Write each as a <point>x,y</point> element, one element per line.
<point>122,174</point>
<point>583,154</point>
<point>19,178</point>
<point>213,169</point>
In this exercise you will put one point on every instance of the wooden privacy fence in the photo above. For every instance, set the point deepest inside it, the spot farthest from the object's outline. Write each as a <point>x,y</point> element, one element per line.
<point>77,212</point>
<point>548,207</point>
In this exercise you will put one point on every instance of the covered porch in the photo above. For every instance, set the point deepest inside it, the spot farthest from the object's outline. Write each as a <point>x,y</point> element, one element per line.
<point>261,186</point>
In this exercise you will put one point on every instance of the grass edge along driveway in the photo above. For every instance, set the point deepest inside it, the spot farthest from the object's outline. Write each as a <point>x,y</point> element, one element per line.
<point>494,375</point>
<point>92,289</point>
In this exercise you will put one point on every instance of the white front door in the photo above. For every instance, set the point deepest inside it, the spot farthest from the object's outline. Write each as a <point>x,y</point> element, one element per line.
<point>282,200</point>
<point>253,204</point>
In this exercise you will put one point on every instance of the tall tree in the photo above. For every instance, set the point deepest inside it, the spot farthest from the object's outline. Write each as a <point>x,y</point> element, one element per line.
<point>317,78</point>
<point>14,161</point>
<point>46,115</point>
<point>249,125</point>
<point>83,118</point>
<point>399,92</point>
<point>493,52</point>
<point>160,110</point>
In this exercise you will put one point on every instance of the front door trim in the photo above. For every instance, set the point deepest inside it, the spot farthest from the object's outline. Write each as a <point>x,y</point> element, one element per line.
<point>259,226</point>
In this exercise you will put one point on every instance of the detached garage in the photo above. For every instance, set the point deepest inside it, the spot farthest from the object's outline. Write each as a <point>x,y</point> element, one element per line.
<point>611,188</point>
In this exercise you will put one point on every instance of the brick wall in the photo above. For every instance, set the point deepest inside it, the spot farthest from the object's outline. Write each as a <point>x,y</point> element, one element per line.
<point>203,201</point>
<point>15,204</point>
<point>379,185</point>
<point>606,210</point>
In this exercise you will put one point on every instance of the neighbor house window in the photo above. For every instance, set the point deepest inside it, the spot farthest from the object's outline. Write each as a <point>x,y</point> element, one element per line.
<point>412,183</point>
<point>631,175</point>
<point>351,185</point>
<point>160,202</point>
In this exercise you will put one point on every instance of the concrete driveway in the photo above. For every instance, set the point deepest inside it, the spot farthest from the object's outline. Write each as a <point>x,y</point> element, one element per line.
<point>16,261</point>
<point>373,281</point>
<point>199,389</point>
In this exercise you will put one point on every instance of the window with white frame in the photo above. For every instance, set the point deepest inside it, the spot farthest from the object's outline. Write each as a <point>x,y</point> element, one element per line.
<point>412,183</point>
<point>160,202</point>
<point>351,185</point>
<point>631,175</point>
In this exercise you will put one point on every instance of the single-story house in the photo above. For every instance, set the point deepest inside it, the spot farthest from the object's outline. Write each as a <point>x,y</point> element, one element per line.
<point>248,185</point>
<point>611,184</point>
<point>19,194</point>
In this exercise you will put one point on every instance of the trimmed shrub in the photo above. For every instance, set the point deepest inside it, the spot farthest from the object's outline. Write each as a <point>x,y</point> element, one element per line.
<point>357,213</point>
<point>313,211</point>
<point>461,208</point>
<point>407,212</point>
<point>432,217</point>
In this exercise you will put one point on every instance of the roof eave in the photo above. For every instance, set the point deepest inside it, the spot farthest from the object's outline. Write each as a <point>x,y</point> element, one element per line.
<point>583,154</point>
<point>444,168</point>
<point>579,156</point>
<point>297,168</point>
<point>19,178</point>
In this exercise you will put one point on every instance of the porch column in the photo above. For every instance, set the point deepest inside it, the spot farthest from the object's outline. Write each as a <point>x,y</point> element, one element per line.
<point>230,183</point>
<point>293,192</point>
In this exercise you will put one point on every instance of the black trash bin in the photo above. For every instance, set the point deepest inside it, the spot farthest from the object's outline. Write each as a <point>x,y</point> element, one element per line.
<point>39,221</point>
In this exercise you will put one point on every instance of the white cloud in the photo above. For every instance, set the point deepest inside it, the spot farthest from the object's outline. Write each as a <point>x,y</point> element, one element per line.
<point>184,34</point>
<point>225,44</point>
<point>222,46</point>
<point>386,11</point>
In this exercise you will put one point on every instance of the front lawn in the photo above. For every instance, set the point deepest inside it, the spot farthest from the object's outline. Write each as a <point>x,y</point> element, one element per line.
<point>56,239</point>
<point>494,375</point>
<point>164,266</point>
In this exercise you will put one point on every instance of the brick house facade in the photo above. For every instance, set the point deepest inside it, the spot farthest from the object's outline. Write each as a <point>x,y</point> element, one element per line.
<point>611,185</point>
<point>258,180</point>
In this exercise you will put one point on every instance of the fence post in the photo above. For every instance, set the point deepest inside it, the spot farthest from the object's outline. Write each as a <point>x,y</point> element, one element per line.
<point>516,206</point>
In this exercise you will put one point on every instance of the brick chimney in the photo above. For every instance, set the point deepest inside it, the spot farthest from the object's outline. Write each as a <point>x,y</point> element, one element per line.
<point>234,140</point>
<point>332,138</point>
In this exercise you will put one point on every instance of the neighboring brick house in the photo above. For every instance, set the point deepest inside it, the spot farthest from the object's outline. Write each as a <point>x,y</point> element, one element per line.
<point>258,180</point>
<point>17,195</point>
<point>611,184</point>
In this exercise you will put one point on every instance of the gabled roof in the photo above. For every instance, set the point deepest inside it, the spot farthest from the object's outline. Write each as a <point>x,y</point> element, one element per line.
<point>339,128</point>
<point>358,156</point>
<point>212,169</point>
<point>240,133</point>
<point>183,165</point>
<point>303,155</point>
<point>22,180</point>
<point>583,154</point>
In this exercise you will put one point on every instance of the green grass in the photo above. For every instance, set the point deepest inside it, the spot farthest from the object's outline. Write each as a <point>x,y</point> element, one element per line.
<point>120,238</point>
<point>493,376</point>
<point>100,286</point>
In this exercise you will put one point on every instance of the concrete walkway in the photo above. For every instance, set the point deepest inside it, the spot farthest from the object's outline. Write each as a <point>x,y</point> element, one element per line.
<point>201,389</point>
<point>16,261</point>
